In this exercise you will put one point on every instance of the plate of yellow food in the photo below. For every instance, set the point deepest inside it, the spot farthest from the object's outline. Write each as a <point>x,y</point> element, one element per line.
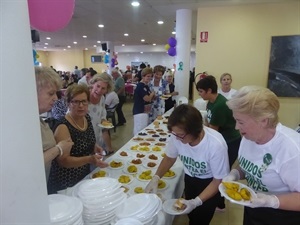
<point>169,174</point>
<point>144,149</point>
<point>116,164</point>
<point>145,175</point>
<point>132,169</point>
<point>134,147</point>
<point>106,124</point>
<point>162,185</point>
<point>237,192</point>
<point>99,173</point>
<point>156,149</point>
<point>125,179</point>
<point>138,190</point>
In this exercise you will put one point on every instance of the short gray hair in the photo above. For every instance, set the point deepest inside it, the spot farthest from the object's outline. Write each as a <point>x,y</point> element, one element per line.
<point>257,102</point>
<point>45,76</point>
<point>104,77</point>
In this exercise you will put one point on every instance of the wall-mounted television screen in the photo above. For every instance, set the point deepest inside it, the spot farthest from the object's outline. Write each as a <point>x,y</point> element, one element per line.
<point>96,58</point>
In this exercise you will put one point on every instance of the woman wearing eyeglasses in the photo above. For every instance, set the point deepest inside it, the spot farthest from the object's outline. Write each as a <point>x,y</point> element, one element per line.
<point>69,169</point>
<point>203,152</point>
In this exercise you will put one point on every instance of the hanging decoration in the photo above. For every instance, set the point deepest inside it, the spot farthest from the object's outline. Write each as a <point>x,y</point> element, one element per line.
<point>180,66</point>
<point>35,56</point>
<point>50,15</point>
<point>171,46</point>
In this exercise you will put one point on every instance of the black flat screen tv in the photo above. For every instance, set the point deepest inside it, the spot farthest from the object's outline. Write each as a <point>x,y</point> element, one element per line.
<point>96,59</point>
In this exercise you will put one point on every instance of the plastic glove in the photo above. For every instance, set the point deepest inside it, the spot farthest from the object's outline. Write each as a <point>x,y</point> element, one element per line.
<point>152,185</point>
<point>191,204</point>
<point>263,200</point>
<point>232,176</point>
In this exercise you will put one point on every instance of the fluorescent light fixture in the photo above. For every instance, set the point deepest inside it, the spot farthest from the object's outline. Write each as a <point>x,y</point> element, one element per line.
<point>46,43</point>
<point>135,3</point>
<point>99,42</point>
<point>84,36</point>
<point>95,46</point>
<point>126,34</point>
<point>160,22</point>
<point>48,38</point>
<point>154,44</point>
<point>142,40</point>
<point>101,25</point>
<point>75,42</point>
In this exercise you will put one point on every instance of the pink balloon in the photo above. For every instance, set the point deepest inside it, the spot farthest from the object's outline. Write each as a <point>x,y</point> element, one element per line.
<point>50,15</point>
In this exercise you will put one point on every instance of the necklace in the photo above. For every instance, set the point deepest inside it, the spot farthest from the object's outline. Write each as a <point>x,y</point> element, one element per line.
<point>79,127</point>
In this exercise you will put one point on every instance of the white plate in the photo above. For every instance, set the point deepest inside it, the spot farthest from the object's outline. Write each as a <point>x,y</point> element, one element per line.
<point>116,168</point>
<point>106,127</point>
<point>145,164</point>
<point>128,175</point>
<point>222,189</point>
<point>161,189</point>
<point>170,177</point>
<point>168,207</point>
<point>106,173</point>
<point>126,171</point>
<point>138,176</point>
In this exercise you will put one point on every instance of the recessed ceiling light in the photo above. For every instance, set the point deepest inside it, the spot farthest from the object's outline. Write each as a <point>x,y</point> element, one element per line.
<point>69,46</point>
<point>95,46</point>
<point>123,44</point>
<point>48,38</point>
<point>154,44</point>
<point>126,35</point>
<point>101,25</point>
<point>45,47</point>
<point>160,22</point>
<point>98,41</point>
<point>46,43</point>
<point>142,40</point>
<point>86,49</point>
<point>75,43</point>
<point>142,52</point>
<point>65,49</point>
<point>173,32</point>
<point>84,36</point>
<point>135,3</point>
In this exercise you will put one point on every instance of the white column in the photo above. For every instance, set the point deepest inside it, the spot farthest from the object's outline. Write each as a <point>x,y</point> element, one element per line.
<point>23,185</point>
<point>183,48</point>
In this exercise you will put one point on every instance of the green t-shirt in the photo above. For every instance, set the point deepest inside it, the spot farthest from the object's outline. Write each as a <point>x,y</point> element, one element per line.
<point>218,114</point>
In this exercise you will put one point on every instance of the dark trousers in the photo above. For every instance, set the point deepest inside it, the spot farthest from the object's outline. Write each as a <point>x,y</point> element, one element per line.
<point>121,118</point>
<point>269,216</point>
<point>202,215</point>
<point>233,149</point>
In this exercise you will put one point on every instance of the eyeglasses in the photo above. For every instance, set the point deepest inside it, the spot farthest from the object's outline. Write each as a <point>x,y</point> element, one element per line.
<point>180,137</point>
<point>77,102</point>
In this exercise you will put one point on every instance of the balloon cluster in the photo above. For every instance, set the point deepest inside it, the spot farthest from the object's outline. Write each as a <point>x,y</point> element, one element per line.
<point>114,60</point>
<point>50,15</point>
<point>171,46</point>
<point>35,57</point>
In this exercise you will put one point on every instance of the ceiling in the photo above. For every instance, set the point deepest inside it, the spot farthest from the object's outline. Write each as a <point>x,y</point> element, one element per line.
<point>119,17</point>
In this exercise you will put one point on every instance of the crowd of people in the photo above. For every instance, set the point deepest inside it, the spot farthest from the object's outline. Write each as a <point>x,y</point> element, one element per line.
<point>242,127</point>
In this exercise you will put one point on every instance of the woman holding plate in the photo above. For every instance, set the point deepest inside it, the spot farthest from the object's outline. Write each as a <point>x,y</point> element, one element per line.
<point>68,169</point>
<point>269,158</point>
<point>203,151</point>
<point>100,85</point>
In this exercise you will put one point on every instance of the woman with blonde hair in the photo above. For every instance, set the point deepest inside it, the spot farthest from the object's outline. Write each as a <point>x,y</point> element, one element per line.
<point>48,83</point>
<point>100,85</point>
<point>269,158</point>
<point>226,90</point>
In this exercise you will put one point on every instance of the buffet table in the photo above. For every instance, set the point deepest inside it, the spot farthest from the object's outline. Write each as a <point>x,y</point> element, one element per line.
<point>150,143</point>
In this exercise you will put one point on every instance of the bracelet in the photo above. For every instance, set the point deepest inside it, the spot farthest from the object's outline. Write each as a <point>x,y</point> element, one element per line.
<point>60,149</point>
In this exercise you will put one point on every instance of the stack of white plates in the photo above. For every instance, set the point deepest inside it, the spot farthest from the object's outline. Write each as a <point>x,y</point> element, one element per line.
<point>65,210</point>
<point>143,207</point>
<point>100,198</point>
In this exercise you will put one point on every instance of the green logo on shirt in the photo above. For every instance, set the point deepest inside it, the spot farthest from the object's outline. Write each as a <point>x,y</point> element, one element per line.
<point>195,168</point>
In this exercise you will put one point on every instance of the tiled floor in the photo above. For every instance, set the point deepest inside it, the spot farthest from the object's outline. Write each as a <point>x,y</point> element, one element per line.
<point>233,214</point>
